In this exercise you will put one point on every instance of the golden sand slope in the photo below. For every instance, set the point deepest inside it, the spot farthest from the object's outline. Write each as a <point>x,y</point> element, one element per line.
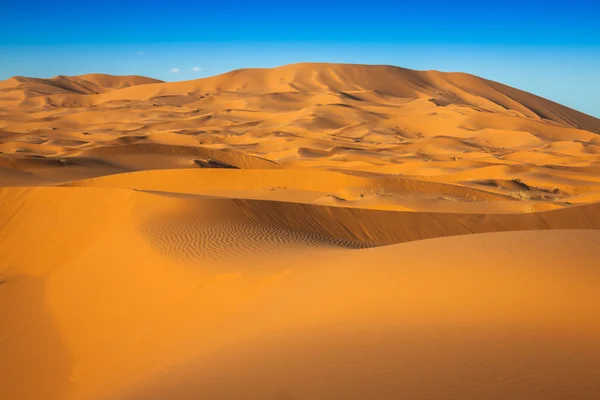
<point>313,231</point>
<point>117,294</point>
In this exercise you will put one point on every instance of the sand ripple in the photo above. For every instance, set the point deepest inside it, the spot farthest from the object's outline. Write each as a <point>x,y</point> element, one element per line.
<point>193,240</point>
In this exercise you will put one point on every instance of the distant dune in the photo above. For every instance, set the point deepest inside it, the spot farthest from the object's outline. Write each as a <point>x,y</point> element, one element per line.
<point>313,231</point>
<point>83,84</point>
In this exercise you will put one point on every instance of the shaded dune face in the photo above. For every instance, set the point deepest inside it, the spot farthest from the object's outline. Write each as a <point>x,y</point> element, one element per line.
<point>219,231</point>
<point>211,240</point>
<point>228,230</point>
<point>313,231</point>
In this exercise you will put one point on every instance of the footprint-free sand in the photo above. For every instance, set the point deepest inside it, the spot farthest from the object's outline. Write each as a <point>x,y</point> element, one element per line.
<point>313,231</point>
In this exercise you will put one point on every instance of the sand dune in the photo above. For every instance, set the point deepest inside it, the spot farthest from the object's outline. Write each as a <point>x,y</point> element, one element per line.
<point>313,231</point>
<point>423,124</point>
<point>83,84</point>
<point>165,307</point>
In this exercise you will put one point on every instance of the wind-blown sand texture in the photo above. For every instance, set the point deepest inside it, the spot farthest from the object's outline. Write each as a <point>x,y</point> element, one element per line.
<point>313,231</point>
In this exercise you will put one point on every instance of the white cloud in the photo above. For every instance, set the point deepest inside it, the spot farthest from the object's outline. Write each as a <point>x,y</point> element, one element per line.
<point>198,69</point>
<point>175,70</point>
<point>140,53</point>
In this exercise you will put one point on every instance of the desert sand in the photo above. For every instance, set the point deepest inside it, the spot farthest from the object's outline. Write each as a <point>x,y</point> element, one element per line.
<point>313,231</point>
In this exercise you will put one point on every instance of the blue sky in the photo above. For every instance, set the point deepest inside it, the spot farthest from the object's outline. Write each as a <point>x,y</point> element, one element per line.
<point>550,48</point>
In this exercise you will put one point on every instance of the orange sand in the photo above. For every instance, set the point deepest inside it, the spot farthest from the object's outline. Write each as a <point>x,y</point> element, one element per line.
<point>312,231</point>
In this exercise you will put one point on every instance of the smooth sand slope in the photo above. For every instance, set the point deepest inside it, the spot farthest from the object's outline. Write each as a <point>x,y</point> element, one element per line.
<point>312,231</point>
